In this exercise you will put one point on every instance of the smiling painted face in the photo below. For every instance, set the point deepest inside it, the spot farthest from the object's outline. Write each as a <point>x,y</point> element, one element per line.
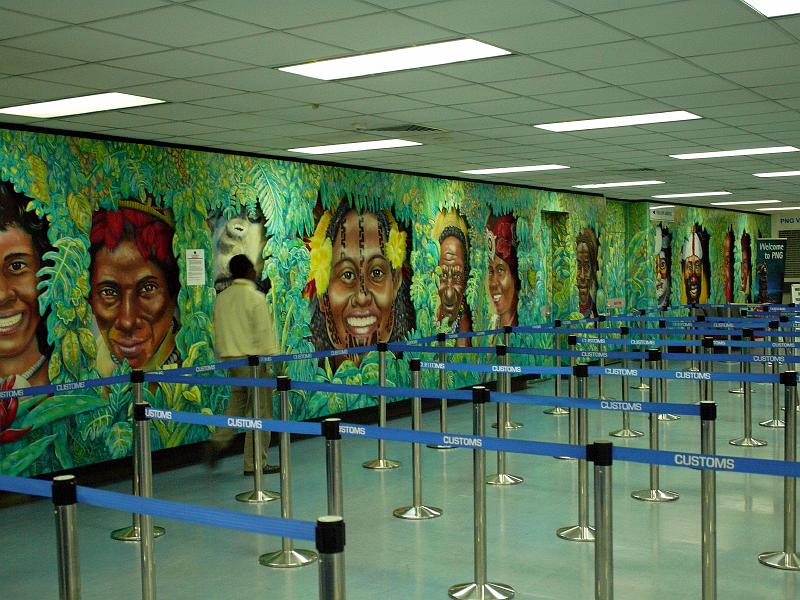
<point>19,306</point>
<point>359,302</point>
<point>503,291</point>
<point>132,303</point>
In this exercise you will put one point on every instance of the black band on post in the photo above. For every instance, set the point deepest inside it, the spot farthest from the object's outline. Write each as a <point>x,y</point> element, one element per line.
<point>398,355</point>
<point>642,312</point>
<point>253,360</point>
<point>284,383</point>
<point>742,312</point>
<point>708,411</point>
<point>580,370</point>
<point>783,318</point>
<point>329,534</point>
<point>747,334</point>
<point>653,354</point>
<point>662,324</point>
<point>601,318</point>
<point>480,395</point>
<point>624,330</point>
<point>137,376</point>
<point>508,329</point>
<point>139,411</point>
<point>414,364</point>
<point>789,378</point>
<point>330,429</point>
<point>600,453</point>
<point>708,342</point>
<point>441,337</point>
<point>557,323</point>
<point>572,340</point>
<point>383,347</point>
<point>65,490</point>
<point>700,318</point>
<point>774,324</point>
<point>738,338</point>
<point>501,349</point>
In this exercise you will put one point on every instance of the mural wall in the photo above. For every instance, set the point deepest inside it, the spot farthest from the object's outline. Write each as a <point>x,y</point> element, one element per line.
<point>94,235</point>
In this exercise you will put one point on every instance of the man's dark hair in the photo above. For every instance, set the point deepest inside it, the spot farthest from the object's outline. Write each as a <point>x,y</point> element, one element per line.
<point>240,266</point>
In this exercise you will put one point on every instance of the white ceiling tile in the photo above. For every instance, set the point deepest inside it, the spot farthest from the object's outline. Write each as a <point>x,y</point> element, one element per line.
<point>178,90</point>
<point>745,108</point>
<point>379,104</point>
<point>114,119</point>
<point>589,97</point>
<point>556,35</point>
<point>661,89</point>
<point>64,125</point>
<point>20,62</point>
<point>248,102</point>
<point>79,11</point>
<point>723,39</point>
<point>178,63</point>
<point>81,43</point>
<point>552,115</point>
<point>428,116</point>
<point>177,26</point>
<point>298,130</point>
<point>177,111</point>
<point>308,114</point>
<point>259,79</point>
<point>271,49</point>
<point>229,136</point>
<point>613,54</point>
<point>238,121</point>
<point>471,16</point>
<point>474,124</point>
<point>463,93</point>
<point>791,90</point>
<point>790,24</point>
<point>135,134</point>
<point>632,107</point>
<point>762,77</point>
<point>645,72</point>
<point>34,89</point>
<point>374,32</point>
<point>501,107</point>
<point>406,82</point>
<point>600,6</point>
<point>562,82</point>
<point>279,14</point>
<point>324,93</point>
<point>693,101</point>
<point>176,128</point>
<point>745,60</point>
<point>97,76</point>
<point>14,24</point>
<point>498,69</point>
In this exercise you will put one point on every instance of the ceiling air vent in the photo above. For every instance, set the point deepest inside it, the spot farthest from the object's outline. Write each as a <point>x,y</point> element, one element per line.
<point>410,127</point>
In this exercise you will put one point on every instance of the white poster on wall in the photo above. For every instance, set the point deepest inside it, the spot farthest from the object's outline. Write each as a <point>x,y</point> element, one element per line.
<point>195,267</point>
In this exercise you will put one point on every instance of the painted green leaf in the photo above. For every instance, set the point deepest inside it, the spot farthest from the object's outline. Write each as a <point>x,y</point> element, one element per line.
<point>21,459</point>
<point>57,407</point>
<point>119,440</point>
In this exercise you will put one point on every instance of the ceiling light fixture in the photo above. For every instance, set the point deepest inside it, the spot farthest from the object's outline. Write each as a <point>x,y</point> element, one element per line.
<point>657,206</point>
<point>594,186</point>
<point>742,152</point>
<point>645,119</point>
<point>78,105</point>
<point>779,208</point>
<point>355,146</point>
<point>693,195</point>
<point>774,8</point>
<point>778,174</point>
<point>522,169</point>
<point>428,55</point>
<point>745,202</point>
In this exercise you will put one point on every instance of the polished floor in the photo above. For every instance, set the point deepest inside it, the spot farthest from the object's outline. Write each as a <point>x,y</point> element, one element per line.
<point>656,546</point>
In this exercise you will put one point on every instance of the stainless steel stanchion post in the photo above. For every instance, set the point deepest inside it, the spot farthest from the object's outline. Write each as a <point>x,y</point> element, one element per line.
<point>601,384</point>
<point>417,511</point>
<point>747,439</point>
<point>257,495</point>
<point>557,411</point>
<point>654,493</point>
<point>775,368</point>
<point>479,588</point>
<point>641,385</point>
<point>381,463</point>
<point>694,365</point>
<point>664,392</point>
<point>508,423</point>
<point>145,466</point>
<point>582,532</point>
<point>626,431</point>
<point>706,386</point>
<point>131,533</point>
<point>572,425</point>
<point>788,558</point>
<point>708,502</point>
<point>502,477</point>
<point>329,535</point>
<point>600,453</point>
<point>65,509</point>
<point>737,388</point>
<point>442,339</point>
<point>333,465</point>
<point>288,556</point>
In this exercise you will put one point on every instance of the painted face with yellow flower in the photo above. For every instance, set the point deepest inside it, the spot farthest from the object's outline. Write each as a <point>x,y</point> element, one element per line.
<point>365,277</point>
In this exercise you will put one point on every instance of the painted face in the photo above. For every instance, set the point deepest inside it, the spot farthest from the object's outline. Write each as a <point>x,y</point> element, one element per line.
<point>502,290</point>
<point>359,302</point>
<point>19,307</point>
<point>131,302</point>
<point>662,278</point>
<point>452,281</point>
<point>692,278</point>
<point>583,280</point>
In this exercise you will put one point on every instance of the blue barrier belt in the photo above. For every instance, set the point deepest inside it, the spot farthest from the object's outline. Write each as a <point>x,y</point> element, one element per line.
<point>23,485</point>
<point>168,377</point>
<point>754,344</point>
<point>471,334</point>
<point>514,370</point>
<point>401,347</point>
<point>639,342</point>
<point>301,427</point>
<point>737,358</point>
<point>274,358</point>
<point>376,390</point>
<point>462,440</point>
<point>685,375</point>
<point>690,410</point>
<point>200,515</point>
<point>673,331</point>
<point>758,466</point>
<point>220,366</point>
<point>578,353</point>
<point>58,388</point>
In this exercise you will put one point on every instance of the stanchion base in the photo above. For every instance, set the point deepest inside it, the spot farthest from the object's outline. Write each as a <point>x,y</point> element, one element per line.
<point>565,458</point>
<point>576,533</point>
<point>440,447</point>
<point>556,411</point>
<point>510,425</point>
<point>655,495</point>
<point>749,442</point>
<point>640,386</point>
<point>131,533</point>
<point>774,423</point>
<point>504,479</point>
<point>287,559</point>
<point>475,591</point>
<point>381,464</point>
<point>257,496</point>
<point>788,561</point>
<point>739,390</point>
<point>693,369</point>
<point>626,433</point>
<point>668,417</point>
<point>417,513</point>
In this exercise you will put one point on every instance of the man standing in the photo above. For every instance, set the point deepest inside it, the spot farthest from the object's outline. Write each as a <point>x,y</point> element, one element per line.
<point>243,327</point>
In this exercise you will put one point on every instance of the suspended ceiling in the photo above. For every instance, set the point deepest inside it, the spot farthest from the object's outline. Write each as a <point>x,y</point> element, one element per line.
<point>214,61</point>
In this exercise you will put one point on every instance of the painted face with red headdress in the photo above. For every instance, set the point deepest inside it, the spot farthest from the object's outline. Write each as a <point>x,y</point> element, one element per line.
<point>502,278</point>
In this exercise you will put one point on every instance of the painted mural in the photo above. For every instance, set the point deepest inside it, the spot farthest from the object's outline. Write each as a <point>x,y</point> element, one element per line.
<point>93,237</point>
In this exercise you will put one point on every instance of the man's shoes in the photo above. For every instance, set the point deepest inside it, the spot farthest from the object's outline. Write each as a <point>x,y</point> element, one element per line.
<point>266,470</point>
<point>211,454</point>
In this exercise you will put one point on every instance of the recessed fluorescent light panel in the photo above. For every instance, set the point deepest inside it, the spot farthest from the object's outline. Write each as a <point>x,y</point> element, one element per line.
<point>355,146</point>
<point>442,53</point>
<point>779,174</point>
<point>522,169</point>
<point>646,119</point>
<point>774,8</point>
<point>79,105</point>
<point>745,202</point>
<point>618,184</point>
<point>779,208</point>
<point>742,152</point>
<point>693,195</point>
